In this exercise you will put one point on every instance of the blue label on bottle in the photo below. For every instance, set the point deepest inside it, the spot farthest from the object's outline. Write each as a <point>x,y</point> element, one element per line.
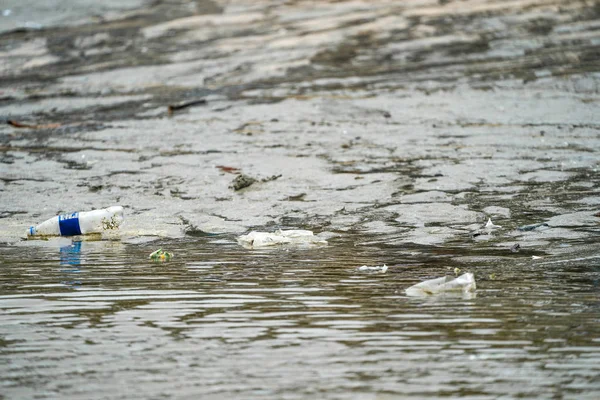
<point>69,224</point>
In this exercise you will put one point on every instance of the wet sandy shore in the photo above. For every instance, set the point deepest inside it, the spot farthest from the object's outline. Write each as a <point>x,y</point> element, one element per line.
<point>409,122</point>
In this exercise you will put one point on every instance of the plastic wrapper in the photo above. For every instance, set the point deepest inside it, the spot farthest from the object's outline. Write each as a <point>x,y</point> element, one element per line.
<point>447,284</point>
<point>490,225</point>
<point>382,269</point>
<point>256,239</point>
<point>160,255</point>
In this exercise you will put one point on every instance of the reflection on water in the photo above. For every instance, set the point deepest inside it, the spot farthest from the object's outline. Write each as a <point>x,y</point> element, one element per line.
<point>99,320</point>
<point>71,254</point>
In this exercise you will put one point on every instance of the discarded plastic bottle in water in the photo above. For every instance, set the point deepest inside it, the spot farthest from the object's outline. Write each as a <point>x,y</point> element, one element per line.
<point>80,223</point>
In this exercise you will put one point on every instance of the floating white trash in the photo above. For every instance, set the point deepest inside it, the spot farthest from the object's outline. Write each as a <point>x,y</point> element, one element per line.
<point>463,284</point>
<point>377,268</point>
<point>291,237</point>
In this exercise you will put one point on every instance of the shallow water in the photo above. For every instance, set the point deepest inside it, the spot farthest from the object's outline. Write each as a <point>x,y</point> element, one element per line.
<point>397,129</point>
<point>97,320</point>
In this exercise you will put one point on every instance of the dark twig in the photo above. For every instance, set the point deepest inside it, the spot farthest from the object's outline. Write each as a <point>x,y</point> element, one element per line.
<point>17,124</point>
<point>176,107</point>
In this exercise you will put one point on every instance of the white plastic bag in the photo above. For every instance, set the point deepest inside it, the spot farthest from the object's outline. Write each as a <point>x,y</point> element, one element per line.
<point>381,269</point>
<point>463,284</point>
<point>256,239</point>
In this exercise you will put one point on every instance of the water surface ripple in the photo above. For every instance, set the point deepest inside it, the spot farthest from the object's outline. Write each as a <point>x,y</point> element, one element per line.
<point>96,320</point>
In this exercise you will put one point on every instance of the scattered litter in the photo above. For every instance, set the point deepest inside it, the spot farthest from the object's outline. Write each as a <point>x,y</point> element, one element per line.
<point>298,197</point>
<point>536,257</point>
<point>250,128</point>
<point>17,124</point>
<point>527,228</point>
<point>160,255</point>
<point>223,108</point>
<point>242,181</point>
<point>271,178</point>
<point>231,170</point>
<point>175,107</point>
<point>485,230</point>
<point>381,269</point>
<point>80,223</point>
<point>463,284</point>
<point>515,248</point>
<point>490,225</point>
<point>265,239</point>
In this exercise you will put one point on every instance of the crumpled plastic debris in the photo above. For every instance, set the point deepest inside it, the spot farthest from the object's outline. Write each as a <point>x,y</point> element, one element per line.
<point>160,255</point>
<point>256,239</point>
<point>486,229</point>
<point>381,269</point>
<point>447,284</point>
<point>490,225</point>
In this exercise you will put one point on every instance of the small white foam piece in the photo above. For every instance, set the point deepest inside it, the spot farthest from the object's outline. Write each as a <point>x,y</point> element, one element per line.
<point>382,269</point>
<point>490,225</point>
<point>463,284</point>
<point>257,239</point>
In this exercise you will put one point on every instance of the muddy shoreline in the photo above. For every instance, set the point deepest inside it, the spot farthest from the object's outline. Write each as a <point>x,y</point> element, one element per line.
<point>412,122</point>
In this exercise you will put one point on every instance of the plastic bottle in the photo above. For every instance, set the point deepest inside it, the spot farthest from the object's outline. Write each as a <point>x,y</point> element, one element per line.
<point>80,223</point>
